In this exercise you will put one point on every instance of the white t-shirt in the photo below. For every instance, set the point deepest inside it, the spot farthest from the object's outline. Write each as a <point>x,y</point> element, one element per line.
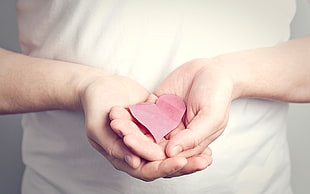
<point>146,40</point>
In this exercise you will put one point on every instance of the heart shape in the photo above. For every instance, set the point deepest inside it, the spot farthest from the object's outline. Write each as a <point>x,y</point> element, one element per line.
<point>159,118</point>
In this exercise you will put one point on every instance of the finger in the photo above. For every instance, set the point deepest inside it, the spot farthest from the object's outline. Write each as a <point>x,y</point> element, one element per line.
<point>125,127</point>
<point>141,144</point>
<point>202,130</point>
<point>194,164</point>
<point>134,135</point>
<point>199,149</point>
<point>149,171</point>
<point>119,112</point>
<point>125,155</point>
<point>175,131</point>
<point>145,147</point>
<point>103,136</point>
<point>158,169</point>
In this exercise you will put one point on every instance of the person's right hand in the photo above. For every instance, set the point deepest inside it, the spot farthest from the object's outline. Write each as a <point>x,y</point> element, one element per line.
<point>97,96</point>
<point>44,84</point>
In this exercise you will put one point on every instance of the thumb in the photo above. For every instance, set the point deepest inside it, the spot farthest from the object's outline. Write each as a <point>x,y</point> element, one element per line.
<point>199,133</point>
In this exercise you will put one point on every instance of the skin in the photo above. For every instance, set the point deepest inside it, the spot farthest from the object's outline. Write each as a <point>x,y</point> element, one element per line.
<point>32,84</point>
<point>134,136</point>
<point>275,73</point>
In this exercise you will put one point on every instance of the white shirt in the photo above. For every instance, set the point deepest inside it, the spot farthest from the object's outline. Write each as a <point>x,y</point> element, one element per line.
<point>146,40</point>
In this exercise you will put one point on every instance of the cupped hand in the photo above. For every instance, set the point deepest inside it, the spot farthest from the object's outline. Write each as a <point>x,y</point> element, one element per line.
<point>207,90</point>
<point>99,93</point>
<point>97,96</point>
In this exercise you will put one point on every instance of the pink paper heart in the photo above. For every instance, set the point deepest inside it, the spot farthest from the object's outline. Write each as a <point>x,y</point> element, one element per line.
<point>159,118</point>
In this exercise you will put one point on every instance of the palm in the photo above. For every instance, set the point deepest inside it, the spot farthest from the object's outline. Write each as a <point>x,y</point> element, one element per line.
<point>98,98</point>
<point>207,92</point>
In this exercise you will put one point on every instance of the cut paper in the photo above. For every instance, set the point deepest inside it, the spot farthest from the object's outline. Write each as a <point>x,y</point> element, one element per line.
<point>159,118</point>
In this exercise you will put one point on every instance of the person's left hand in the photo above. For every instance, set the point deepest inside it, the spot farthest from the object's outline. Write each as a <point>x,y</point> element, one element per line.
<point>207,90</point>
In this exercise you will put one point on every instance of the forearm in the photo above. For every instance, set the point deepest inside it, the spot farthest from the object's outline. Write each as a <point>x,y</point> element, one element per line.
<point>280,73</point>
<point>29,84</point>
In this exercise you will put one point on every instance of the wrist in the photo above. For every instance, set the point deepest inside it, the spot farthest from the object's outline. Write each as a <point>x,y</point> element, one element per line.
<point>82,81</point>
<point>228,68</point>
<point>63,84</point>
<point>38,84</point>
<point>241,67</point>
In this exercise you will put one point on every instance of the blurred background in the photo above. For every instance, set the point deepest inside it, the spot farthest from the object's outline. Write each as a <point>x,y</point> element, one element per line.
<point>11,166</point>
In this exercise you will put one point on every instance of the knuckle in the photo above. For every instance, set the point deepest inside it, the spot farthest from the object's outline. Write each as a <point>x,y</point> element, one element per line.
<point>111,148</point>
<point>115,112</point>
<point>116,126</point>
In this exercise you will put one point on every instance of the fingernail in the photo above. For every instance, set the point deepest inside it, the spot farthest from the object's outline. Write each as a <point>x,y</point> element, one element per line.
<point>176,150</point>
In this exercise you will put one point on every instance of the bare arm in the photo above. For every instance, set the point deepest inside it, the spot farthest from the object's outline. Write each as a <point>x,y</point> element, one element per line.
<point>29,84</point>
<point>280,73</point>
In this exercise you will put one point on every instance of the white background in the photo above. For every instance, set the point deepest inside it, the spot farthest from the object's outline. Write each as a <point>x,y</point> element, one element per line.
<point>11,166</point>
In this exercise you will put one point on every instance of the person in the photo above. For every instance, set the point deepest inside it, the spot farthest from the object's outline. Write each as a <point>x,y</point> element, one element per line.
<point>84,62</point>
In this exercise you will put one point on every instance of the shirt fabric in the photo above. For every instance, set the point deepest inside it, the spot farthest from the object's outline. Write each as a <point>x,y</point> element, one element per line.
<point>146,40</point>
